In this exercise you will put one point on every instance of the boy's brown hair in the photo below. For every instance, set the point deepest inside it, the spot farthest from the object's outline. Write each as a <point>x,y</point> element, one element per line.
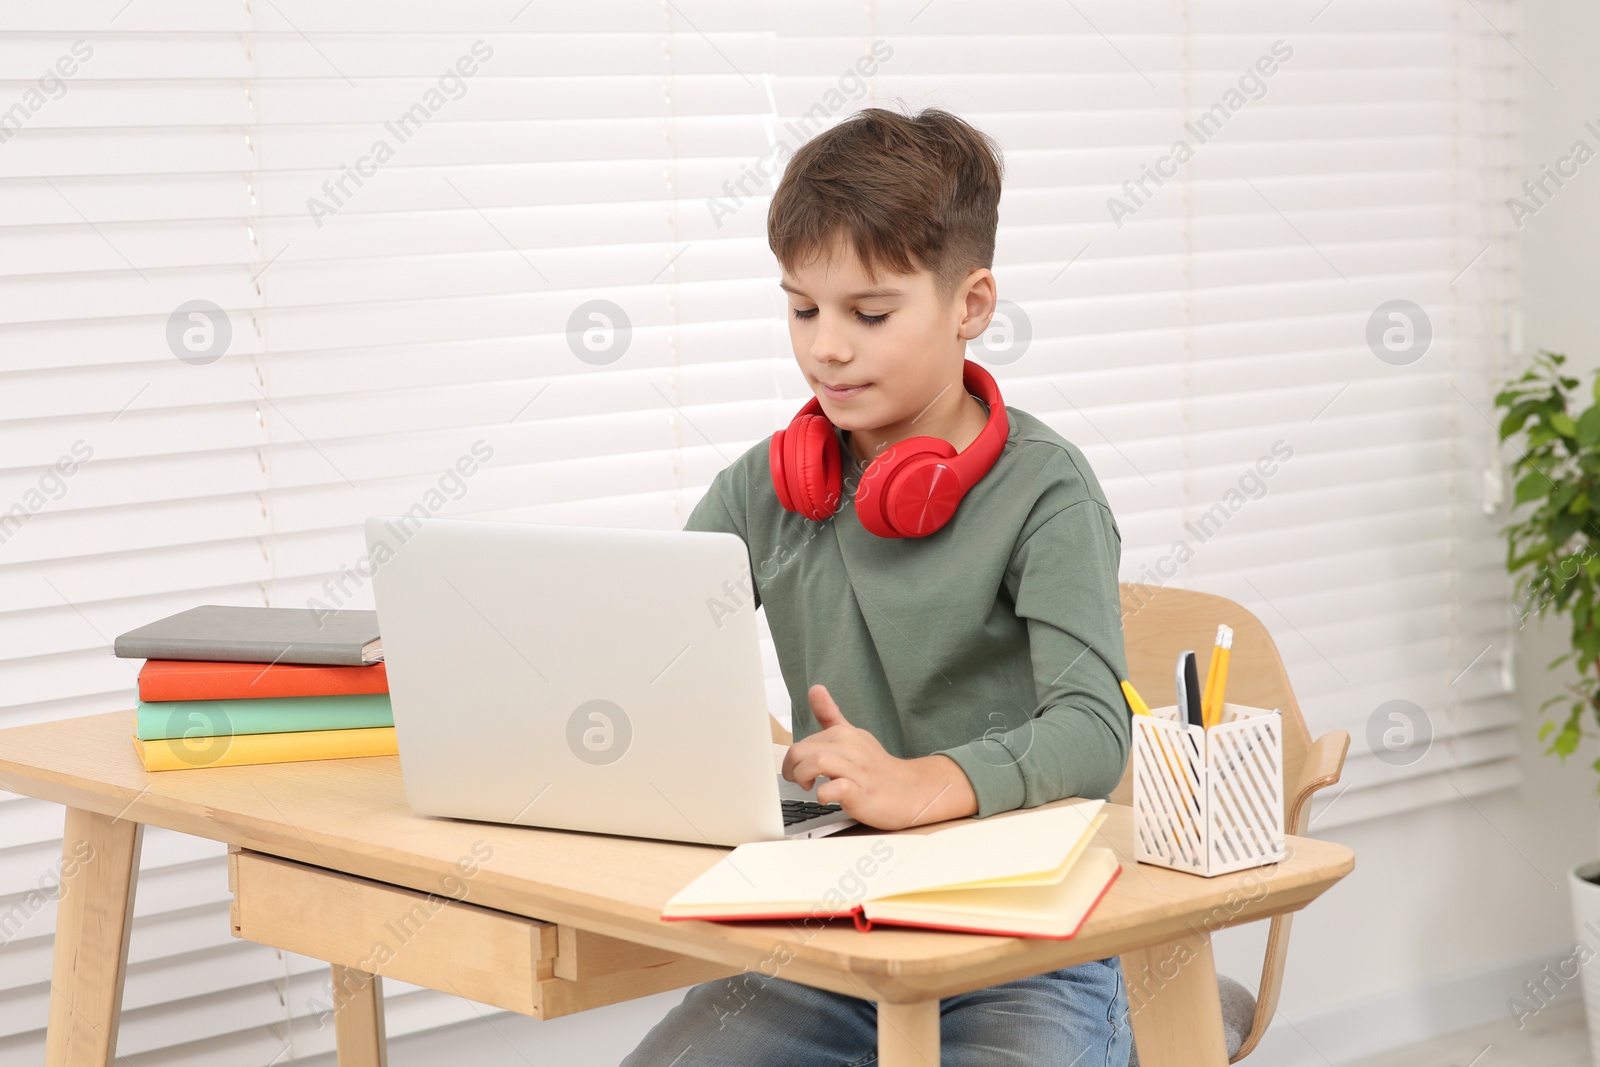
<point>913,193</point>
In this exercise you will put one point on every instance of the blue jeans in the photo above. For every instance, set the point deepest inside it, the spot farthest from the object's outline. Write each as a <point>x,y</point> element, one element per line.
<point>1074,1017</point>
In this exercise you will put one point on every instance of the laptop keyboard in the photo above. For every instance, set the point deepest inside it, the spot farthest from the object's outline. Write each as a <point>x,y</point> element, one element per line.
<point>800,810</point>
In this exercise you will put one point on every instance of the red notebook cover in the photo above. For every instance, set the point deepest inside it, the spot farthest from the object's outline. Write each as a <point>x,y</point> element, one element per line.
<point>173,679</point>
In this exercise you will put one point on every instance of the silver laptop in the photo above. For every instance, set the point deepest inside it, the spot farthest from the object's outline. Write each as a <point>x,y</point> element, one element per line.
<point>582,678</point>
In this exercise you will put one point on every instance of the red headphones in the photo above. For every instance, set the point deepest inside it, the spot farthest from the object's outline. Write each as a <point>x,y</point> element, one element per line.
<point>911,489</point>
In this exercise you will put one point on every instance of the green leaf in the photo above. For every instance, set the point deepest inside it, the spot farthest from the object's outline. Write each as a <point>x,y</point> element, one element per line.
<point>1538,551</point>
<point>1563,424</point>
<point>1532,487</point>
<point>1517,416</point>
<point>1589,426</point>
<point>1566,742</point>
<point>1545,728</point>
<point>1563,527</point>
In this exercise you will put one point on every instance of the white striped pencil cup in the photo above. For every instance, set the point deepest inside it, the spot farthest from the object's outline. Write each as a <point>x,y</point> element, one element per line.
<point>1208,801</point>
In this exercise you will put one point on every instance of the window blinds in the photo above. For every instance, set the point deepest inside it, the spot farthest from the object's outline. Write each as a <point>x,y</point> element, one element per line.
<point>269,268</point>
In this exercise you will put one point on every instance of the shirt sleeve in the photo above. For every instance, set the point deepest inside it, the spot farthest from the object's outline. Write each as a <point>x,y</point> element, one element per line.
<point>721,509</point>
<point>1063,581</point>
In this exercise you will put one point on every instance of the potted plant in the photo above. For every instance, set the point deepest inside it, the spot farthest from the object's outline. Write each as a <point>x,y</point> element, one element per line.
<point>1553,553</point>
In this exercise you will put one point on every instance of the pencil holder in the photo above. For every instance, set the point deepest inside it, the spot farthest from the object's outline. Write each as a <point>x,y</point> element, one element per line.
<point>1208,801</point>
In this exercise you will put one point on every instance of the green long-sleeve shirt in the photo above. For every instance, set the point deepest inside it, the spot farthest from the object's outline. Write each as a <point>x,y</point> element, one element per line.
<point>996,640</point>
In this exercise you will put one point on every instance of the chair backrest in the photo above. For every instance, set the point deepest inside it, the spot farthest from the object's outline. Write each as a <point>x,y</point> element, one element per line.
<point>1159,622</point>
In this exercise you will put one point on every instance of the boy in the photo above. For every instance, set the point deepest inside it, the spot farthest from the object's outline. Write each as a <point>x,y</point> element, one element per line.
<point>967,670</point>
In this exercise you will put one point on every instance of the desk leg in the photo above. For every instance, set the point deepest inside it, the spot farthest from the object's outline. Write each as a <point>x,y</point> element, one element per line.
<point>1174,1005</point>
<point>908,1034</point>
<point>358,1018</point>
<point>99,872</point>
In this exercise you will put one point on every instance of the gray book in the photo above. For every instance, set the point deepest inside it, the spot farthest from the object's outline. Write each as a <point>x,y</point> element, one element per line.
<point>258,635</point>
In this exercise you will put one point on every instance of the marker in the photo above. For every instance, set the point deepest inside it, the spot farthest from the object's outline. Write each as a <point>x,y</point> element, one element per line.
<point>1189,689</point>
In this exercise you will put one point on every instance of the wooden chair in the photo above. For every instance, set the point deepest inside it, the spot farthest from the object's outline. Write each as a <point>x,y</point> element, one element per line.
<point>1159,622</point>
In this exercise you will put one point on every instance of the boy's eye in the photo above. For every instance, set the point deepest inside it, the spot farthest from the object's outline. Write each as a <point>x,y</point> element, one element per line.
<point>871,320</point>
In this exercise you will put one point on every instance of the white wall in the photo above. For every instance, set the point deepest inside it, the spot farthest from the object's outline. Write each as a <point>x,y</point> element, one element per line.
<point>1450,908</point>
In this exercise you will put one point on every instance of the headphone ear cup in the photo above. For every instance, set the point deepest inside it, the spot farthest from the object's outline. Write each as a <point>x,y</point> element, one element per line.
<point>915,487</point>
<point>811,456</point>
<point>780,472</point>
<point>924,495</point>
<point>890,501</point>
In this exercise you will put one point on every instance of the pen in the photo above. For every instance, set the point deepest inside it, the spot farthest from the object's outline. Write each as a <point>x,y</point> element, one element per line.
<point>1135,701</point>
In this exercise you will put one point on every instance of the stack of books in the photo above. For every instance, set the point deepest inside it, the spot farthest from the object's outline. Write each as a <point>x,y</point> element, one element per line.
<point>228,686</point>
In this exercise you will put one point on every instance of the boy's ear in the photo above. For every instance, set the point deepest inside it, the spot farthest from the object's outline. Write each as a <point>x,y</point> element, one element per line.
<point>978,297</point>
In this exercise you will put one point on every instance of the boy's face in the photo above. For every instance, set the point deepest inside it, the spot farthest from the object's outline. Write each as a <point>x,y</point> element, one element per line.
<point>892,341</point>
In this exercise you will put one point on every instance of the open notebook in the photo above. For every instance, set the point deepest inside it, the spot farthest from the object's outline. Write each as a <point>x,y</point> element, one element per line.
<point>1027,874</point>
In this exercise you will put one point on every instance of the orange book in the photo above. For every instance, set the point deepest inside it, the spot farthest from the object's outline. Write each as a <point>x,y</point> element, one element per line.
<point>177,679</point>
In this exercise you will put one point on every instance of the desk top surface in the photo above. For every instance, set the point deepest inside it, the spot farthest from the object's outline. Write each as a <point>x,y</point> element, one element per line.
<point>351,815</point>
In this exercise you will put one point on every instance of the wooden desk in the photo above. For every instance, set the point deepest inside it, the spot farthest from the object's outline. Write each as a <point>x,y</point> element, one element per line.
<point>549,921</point>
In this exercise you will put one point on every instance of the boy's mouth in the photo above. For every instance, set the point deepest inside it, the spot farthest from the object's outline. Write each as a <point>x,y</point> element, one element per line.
<point>842,393</point>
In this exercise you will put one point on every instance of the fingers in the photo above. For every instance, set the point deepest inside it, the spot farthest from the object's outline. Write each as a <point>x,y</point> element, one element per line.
<point>840,791</point>
<point>811,761</point>
<point>824,709</point>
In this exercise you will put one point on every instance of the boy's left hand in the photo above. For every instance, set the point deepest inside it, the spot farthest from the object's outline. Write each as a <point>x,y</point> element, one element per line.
<point>872,786</point>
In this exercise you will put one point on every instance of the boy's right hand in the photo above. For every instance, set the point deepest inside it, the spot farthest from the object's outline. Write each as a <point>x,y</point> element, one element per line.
<point>870,784</point>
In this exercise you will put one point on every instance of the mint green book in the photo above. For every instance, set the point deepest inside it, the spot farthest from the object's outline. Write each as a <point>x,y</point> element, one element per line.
<point>268,715</point>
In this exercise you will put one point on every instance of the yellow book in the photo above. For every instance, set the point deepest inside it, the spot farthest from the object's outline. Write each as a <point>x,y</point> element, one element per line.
<point>1026,874</point>
<point>178,754</point>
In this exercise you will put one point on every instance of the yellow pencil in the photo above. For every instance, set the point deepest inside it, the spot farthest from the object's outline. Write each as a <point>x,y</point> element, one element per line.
<point>1220,685</point>
<point>1135,701</point>
<point>1211,678</point>
<point>1221,674</point>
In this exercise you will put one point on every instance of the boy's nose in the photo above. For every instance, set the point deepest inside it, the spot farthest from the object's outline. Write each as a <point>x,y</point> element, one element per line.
<point>828,345</point>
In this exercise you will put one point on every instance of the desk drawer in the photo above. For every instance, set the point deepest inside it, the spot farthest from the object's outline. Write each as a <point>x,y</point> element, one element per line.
<point>524,965</point>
